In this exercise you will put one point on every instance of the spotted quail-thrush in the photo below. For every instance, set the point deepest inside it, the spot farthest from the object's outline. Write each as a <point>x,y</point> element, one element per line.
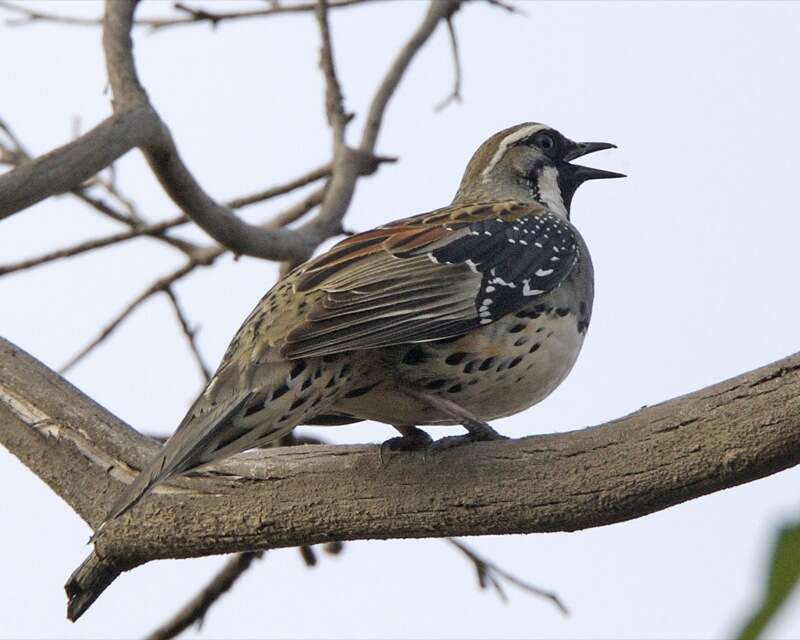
<point>470,312</point>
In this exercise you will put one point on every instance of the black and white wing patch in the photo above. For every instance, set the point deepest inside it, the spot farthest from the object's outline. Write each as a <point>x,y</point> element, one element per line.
<point>431,277</point>
<point>518,259</point>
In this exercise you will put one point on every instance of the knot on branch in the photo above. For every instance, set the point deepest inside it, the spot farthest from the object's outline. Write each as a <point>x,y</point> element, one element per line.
<point>366,161</point>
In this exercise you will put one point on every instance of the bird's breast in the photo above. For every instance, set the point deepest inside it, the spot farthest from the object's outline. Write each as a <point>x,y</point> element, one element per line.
<point>495,371</point>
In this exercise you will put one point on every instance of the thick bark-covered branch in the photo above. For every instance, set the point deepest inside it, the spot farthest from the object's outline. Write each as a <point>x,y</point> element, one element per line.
<point>734,432</point>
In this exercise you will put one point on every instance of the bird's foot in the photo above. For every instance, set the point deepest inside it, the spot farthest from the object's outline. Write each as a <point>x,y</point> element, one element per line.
<point>479,431</point>
<point>413,439</point>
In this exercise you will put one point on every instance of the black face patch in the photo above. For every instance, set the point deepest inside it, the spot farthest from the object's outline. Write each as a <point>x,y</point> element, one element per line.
<point>547,141</point>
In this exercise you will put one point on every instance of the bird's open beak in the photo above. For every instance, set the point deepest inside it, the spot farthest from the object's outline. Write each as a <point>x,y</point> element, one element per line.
<point>588,173</point>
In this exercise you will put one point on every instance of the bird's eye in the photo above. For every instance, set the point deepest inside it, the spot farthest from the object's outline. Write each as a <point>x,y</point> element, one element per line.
<point>545,142</point>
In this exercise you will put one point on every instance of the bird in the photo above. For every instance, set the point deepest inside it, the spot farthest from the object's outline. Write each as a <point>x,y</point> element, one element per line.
<point>457,316</point>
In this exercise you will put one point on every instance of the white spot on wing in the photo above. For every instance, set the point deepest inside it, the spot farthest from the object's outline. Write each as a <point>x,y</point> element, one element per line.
<point>527,291</point>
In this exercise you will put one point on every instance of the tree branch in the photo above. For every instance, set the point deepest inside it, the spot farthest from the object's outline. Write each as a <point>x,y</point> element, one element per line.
<point>190,15</point>
<point>490,575</point>
<point>189,332</point>
<point>734,432</point>
<point>90,245</point>
<point>68,166</point>
<point>201,257</point>
<point>162,284</point>
<point>194,611</point>
<point>438,10</point>
<point>135,123</point>
<point>455,93</point>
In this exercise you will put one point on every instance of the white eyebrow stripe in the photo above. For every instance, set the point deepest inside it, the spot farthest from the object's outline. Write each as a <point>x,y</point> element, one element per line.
<point>510,139</point>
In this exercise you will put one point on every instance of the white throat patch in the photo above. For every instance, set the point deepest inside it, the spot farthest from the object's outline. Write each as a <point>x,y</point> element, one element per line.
<point>550,193</point>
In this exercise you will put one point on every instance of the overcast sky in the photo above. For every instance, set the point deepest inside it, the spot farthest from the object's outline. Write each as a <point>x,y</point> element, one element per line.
<point>695,256</point>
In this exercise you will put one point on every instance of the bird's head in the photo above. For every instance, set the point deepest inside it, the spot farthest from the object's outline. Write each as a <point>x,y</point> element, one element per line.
<point>530,162</point>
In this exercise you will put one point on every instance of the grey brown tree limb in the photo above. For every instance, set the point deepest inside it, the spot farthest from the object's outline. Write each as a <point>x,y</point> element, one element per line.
<point>201,257</point>
<point>188,15</point>
<point>194,611</point>
<point>135,123</point>
<point>736,431</point>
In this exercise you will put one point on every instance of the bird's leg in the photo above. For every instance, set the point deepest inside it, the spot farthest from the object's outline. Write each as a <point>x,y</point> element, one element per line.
<point>478,429</point>
<point>412,439</point>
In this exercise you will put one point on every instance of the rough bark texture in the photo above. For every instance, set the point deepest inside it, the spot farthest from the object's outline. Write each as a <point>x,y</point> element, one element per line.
<point>736,431</point>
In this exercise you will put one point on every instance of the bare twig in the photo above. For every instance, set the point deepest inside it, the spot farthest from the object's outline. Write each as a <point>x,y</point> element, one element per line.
<point>70,165</point>
<point>455,94</point>
<point>502,4</point>
<point>31,15</point>
<point>196,16</point>
<point>135,123</point>
<point>190,15</point>
<point>16,143</point>
<point>278,190</point>
<point>203,257</point>
<point>17,154</point>
<point>195,610</point>
<point>189,332</point>
<point>159,285</point>
<point>334,107</point>
<point>437,10</point>
<point>490,575</point>
<point>111,187</point>
<point>90,245</point>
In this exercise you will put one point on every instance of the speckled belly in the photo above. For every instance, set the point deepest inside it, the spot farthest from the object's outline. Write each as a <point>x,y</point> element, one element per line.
<point>496,371</point>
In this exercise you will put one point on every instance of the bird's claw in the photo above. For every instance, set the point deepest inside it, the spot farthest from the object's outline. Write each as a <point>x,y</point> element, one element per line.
<point>416,440</point>
<point>478,432</point>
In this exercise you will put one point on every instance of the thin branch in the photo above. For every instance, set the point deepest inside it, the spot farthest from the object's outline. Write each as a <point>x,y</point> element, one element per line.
<point>194,611</point>
<point>135,123</point>
<point>90,245</point>
<point>297,211</point>
<point>334,103</point>
<point>196,16</point>
<point>204,257</point>
<point>18,154</point>
<point>31,15</point>
<point>455,94</point>
<point>159,285</point>
<point>490,575</point>
<point>14,140</point>
<point>189,332</point>
<point>437,10</point>
<point>502,4</point>
<point>278,190</point>
<point>111,187</point>
<point>70,165</point>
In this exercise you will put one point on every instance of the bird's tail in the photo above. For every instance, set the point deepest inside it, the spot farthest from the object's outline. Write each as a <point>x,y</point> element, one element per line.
<point>183,451</point>
<point>228,418</point>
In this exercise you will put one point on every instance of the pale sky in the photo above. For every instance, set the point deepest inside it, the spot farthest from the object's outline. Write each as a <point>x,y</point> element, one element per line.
<point>695,257</point>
